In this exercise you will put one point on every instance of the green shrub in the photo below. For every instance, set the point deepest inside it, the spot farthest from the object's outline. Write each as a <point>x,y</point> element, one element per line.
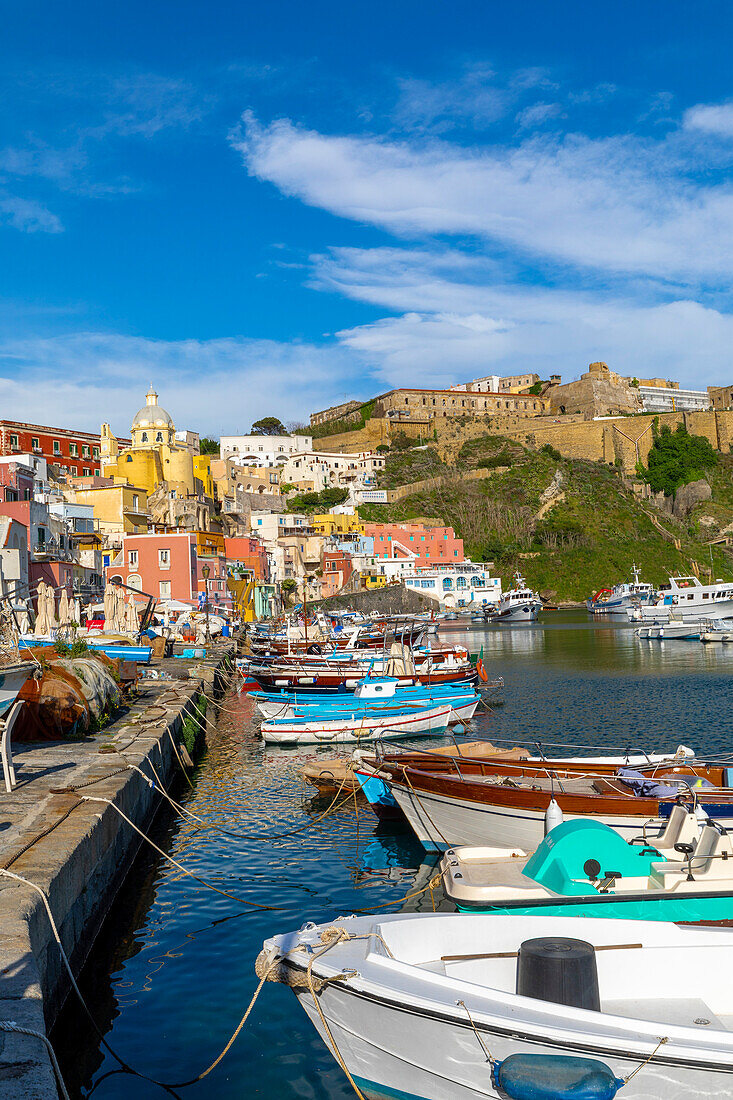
<point>676,458</point>
<point>548,449</point>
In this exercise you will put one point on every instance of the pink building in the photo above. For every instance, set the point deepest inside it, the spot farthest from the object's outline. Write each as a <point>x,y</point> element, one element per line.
<point>337,568</point>
<point>431,545</point>
<point>163,565</point>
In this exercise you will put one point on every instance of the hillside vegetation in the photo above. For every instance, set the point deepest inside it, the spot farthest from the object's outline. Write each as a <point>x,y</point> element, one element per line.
<point>570,526</point>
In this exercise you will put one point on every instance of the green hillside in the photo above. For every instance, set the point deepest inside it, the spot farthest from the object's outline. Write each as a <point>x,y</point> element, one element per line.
<point>570,526</point>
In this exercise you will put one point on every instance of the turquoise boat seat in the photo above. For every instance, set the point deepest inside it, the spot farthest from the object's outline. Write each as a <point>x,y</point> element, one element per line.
<point>555,1077</point>
<point>571,851</point>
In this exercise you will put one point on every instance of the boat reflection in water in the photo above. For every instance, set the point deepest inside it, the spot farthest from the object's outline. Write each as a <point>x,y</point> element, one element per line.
<point>394,855</point>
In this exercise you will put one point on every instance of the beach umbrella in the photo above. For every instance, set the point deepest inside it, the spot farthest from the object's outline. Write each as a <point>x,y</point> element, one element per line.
<point>41,615</point>
<point>76,610</point>
<point>120,615</point>
<point>131,620</point>
<point>64,616</point>
<point>50,606</point>
<point>109,605</point>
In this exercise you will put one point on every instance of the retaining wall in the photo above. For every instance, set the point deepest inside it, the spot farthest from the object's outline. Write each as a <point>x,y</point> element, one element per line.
<point>82,862</point>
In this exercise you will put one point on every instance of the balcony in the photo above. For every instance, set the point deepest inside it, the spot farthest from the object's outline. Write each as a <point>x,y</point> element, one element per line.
<point>51,551</point>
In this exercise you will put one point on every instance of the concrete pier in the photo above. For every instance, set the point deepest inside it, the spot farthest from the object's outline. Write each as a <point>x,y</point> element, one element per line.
<point>79,852</point>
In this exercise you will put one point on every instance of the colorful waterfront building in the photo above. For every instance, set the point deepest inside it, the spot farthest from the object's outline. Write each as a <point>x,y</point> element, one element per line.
<point>337,523</point>
<point>74,452</point>
<point>164,565</point>
<point>421,545</point>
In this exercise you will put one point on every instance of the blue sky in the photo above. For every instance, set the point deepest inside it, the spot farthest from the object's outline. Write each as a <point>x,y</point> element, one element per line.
<point>271,208</point>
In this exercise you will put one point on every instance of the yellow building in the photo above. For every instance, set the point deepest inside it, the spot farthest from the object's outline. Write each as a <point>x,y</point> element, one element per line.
<point>154,456</point>
<point>209,544</point>
<point>330,524</point>
<point>202,470</point>
<point>119,509</point>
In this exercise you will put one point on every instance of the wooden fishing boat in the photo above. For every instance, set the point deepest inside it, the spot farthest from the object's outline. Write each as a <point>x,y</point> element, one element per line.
<point>372,690</point>
<point>498,803</point>
<point>327,774</point>
<point>332,775</point>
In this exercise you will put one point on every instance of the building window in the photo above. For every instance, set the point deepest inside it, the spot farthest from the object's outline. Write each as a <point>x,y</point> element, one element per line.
<point>95,452</point>
<point>87,471</point>
<point>85,452</point>
<point>74,470</point>
<point>134,580</point>
<point>144,437</point>
<point>14,441</point>
<point>164,559</point>
<point>35,443</point>
<point>132,556</point>
<point>165,590</point>
<point>73,450</point>
<point>56,447</point>
<point>159,437</point>
<point>135,503</point>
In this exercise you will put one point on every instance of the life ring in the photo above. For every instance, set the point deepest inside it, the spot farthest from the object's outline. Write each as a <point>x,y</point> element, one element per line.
<point>481,671</point>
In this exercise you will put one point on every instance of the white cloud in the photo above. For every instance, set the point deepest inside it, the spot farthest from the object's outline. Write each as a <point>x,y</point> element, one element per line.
<point>211,386</point>
<point>537,114</point>
<point>27,215</point>
<point>458,321</point>
<point>476,99</point>
<point>712,118</point>
<point>619,205</point>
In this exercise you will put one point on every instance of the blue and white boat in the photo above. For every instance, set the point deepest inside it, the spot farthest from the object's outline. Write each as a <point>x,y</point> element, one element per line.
<point>609,601</point>
<point>368,694</point>
<point>366,723</point>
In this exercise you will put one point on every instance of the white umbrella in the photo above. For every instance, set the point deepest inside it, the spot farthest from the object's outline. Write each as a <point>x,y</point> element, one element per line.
<point>109,605</point>
<point>42,614</point>
<point>64,616</point>
<point>120,614</point>
<point>132,624</point>
<point>76,610</point>
<point>50,605</point>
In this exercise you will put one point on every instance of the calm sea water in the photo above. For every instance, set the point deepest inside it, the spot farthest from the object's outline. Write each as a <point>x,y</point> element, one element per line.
<point>173,971</point>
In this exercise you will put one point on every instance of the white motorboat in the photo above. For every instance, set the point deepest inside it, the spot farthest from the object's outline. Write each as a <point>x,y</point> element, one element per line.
<point>686,630</point>
<point>383,723</point>
<point>518,604</point>
<point>462,1007</point>
<point>611,601</point>
<point>686,598</point>
<point>12,678</point>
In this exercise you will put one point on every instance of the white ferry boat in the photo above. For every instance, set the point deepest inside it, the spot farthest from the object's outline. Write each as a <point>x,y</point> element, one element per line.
<point>519,603</point>
<point>465,584</point>
<point>687,598</point>
<point>608,601</point>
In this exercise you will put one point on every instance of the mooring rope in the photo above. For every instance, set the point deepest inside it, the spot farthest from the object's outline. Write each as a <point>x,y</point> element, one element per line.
<point>100,1035</point>
<point>13,1028</point>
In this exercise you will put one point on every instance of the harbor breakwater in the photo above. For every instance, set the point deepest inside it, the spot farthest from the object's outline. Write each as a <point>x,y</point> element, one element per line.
<point>62,830</point>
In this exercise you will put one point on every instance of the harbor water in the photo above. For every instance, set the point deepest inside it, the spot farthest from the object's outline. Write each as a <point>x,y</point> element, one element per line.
<point>172,974</point>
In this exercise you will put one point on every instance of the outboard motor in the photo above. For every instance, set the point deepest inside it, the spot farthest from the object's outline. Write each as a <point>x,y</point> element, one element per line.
<point>559,969</point>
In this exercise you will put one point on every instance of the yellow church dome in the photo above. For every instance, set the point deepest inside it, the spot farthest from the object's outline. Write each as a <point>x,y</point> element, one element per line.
<point>152,415</point>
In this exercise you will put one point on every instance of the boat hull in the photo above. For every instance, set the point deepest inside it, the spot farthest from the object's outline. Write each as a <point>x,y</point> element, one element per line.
<point>405,1037</point>
<point>685,909</point>
<point>12,678</point>
<point>361,728</point>
<point>440,822</point>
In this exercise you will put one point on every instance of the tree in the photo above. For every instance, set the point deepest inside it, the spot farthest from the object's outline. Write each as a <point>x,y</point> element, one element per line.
<point>209,446</point>
<point>269,425</point>
<point>676,458</point>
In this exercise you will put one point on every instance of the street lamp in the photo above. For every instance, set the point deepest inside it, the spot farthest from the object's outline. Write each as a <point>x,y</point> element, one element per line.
<point>205,572</point>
